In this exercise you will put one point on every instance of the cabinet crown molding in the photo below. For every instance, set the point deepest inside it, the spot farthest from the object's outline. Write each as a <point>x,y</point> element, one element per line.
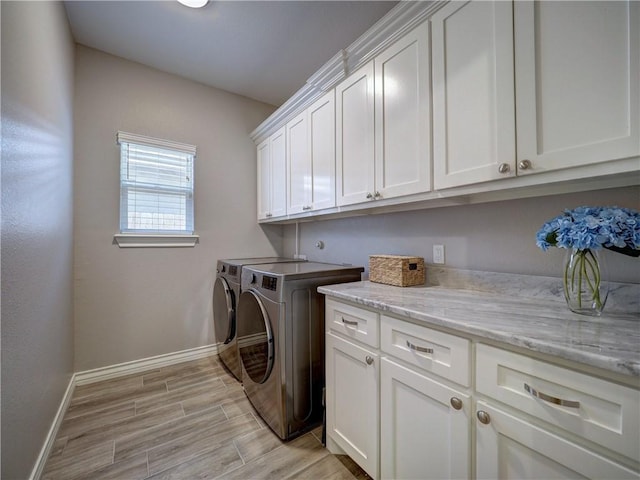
<point>398,21</point>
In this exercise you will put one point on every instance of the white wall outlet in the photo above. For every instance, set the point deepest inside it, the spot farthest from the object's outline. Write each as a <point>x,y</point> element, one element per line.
<point>438,254</point>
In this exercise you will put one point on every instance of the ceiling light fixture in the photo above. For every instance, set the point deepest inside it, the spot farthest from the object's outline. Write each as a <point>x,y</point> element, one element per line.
<point>194,3</point>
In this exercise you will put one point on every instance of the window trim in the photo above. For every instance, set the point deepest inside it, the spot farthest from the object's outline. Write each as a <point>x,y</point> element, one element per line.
<point>161,239</point>
<point>155,142</point>
<point>137,240</point>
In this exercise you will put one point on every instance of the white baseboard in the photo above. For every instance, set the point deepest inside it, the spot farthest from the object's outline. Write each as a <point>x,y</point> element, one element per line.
<point>38,468</point>
<point>107,373</point>
<point>135,366</point>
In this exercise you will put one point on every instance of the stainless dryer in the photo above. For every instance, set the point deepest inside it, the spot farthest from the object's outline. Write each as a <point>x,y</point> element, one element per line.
<point>281,340</point>
<point>226,291</point>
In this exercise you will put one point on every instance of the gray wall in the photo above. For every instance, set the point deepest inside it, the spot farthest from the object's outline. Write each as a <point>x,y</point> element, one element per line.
<point>37,252</point>
<point>133,303</point>
<point>496,237</point>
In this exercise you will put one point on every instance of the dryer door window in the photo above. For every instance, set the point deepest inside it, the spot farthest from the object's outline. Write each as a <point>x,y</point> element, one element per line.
<point>255,337</point>
<point>224,323</point>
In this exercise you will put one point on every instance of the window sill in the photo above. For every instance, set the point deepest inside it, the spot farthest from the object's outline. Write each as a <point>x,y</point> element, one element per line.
<point>136,240</point>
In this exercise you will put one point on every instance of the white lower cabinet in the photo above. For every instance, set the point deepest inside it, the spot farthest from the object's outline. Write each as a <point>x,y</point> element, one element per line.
<point>424,426</point>
<point>403,403</point>
<point>352,373</point>
<point>575,419</point>
<point>509,447</point>
<point>600,411</point>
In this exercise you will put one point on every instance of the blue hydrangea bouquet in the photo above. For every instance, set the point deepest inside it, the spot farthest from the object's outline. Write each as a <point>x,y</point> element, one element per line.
<point>584,231</point>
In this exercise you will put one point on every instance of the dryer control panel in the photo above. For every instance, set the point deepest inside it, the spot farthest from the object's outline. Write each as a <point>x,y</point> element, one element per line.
<point>269,283</point>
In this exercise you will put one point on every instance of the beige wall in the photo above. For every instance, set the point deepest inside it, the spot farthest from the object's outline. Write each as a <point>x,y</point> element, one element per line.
<point>134,303</point>
<point>37,253</point>
<point>496,237</point>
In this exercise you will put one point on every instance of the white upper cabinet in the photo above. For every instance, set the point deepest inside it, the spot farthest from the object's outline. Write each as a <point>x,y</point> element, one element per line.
<point>272,176</point>
<point>459,98</point>
<point>278,174</point>
<point>473,93</point>
<point>355,181</point>
<point>311,157</point>
<point>322,148</point>
<point>382,125</point>
<point>264,178</point>
<point>402,114</point>
<point>299,165</point>
<point>576,100</point>
<point>577,82</point>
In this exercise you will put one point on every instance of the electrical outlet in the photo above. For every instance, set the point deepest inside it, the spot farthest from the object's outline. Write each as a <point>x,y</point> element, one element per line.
<point>438,254</point>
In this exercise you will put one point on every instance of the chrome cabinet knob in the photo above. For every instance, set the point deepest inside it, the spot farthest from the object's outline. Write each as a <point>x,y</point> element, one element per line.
<point>377,195</point>
<point>456,403</point>
<point>483,417</point>
<point>369,195</point>
<point>503,168</point>
<point>524,164</point>
<point>369,359</point>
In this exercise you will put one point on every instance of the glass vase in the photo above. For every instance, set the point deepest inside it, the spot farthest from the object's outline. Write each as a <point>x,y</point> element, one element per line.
<point>585,288</point>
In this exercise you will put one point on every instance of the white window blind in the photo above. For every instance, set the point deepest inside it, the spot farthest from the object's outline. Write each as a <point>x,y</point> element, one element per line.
<point>156,185</point>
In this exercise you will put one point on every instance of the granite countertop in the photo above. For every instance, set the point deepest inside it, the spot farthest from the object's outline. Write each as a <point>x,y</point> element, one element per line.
<point>538,322</point>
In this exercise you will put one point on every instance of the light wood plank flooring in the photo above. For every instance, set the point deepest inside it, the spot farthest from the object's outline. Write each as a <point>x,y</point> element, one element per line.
<point>186,421</point>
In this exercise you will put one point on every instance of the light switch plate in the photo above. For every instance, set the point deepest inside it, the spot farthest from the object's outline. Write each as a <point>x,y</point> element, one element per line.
<point>438,254</point>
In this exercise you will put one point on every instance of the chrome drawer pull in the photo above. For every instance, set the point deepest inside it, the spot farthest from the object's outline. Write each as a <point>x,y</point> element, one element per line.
<point>419,349</point>
<point>348,322</point>
<point>550,399</point>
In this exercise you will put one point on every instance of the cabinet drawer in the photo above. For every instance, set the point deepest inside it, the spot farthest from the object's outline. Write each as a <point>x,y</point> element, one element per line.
<point>437,352</point>
<point>600,411</point>
<point>353,322</point>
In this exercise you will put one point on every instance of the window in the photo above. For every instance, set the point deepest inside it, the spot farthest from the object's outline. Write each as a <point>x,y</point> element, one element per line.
<point>156,186</point>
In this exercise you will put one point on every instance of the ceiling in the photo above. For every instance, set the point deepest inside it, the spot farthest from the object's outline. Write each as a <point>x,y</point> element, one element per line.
<point>265,50</point>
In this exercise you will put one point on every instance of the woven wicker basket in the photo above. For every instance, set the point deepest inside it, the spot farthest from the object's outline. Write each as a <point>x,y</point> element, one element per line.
<point>398,270</point>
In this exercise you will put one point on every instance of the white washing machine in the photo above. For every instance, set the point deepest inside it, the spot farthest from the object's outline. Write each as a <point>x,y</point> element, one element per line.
<point>226,291</point>
<point>281,340</point>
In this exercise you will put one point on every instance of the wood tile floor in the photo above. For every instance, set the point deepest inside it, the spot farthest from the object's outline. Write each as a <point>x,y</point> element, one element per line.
<point>185,421</point>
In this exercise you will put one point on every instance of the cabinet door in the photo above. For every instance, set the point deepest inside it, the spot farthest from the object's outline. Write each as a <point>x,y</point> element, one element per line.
<point>264,178</point>
<point>577,82</point>
<point>422,435</point>
<point>510,447</point>
<point>473,93</point>
<point>402,111</point>
<point>322,135</point>
<point>355,137</point>
<point>352,401</point>
<point>299,165</point>
<point>278,174</point>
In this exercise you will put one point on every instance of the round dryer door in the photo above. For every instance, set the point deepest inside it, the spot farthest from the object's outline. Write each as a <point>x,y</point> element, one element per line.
<point>224,323</point>
<point>255,337</point>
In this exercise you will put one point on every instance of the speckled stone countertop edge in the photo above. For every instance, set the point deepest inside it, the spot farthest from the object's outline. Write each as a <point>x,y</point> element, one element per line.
<point>610,343</point>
